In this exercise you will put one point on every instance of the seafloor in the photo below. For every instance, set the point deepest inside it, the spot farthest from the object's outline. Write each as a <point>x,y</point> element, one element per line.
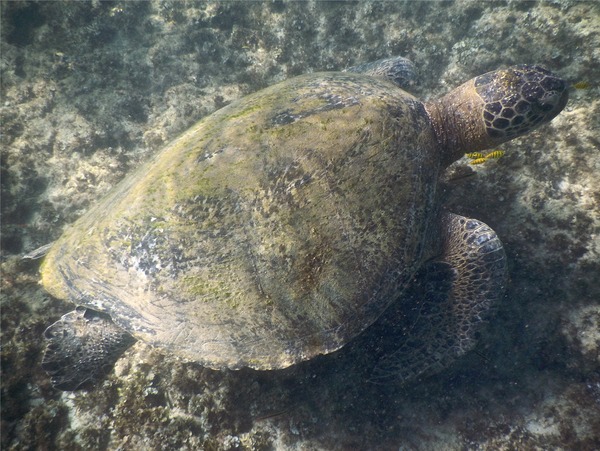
<point>91,89</point>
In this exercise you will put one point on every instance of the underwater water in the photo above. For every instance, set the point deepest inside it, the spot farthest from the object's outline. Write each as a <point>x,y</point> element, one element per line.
<point>90,90</point>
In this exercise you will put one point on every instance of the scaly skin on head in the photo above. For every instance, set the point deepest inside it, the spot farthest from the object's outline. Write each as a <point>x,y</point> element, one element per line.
<point>494,108</point>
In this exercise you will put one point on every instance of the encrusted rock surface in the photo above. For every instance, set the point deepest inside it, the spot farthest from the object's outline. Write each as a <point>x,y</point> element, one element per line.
<point>89,90</point>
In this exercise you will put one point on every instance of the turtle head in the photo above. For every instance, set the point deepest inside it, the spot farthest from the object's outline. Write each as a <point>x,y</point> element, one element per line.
<point>496,107</point>
<point>518,99</point>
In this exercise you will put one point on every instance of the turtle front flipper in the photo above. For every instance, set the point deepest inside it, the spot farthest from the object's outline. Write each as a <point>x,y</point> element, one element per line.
<point>461,287</point>
<point>397,69</point>
<point>83,346</point>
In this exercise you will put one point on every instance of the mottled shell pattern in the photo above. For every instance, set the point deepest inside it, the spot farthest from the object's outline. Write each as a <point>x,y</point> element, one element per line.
<point>276,229</point>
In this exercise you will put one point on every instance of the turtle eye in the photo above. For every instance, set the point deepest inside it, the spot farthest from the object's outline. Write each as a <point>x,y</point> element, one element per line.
<point>549,100</point>
<point>549,104</point>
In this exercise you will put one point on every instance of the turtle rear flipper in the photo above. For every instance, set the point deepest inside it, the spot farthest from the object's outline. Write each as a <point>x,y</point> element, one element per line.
<point>83,346</point>
<point>462,287</point>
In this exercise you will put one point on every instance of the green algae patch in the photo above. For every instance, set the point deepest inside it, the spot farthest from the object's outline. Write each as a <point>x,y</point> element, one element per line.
<point>202,288</point>
<point>245,111</point>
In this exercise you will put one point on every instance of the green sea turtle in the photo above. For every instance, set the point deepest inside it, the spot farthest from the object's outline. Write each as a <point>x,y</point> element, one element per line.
<point>283,225</point>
